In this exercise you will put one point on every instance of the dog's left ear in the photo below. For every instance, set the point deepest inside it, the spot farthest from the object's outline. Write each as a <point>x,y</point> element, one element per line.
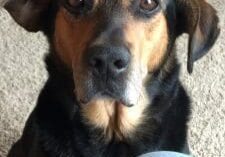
<point>200,21</point>
<point>30,14</point>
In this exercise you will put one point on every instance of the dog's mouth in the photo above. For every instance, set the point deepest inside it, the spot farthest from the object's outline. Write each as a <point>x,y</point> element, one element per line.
<point>106,94</point>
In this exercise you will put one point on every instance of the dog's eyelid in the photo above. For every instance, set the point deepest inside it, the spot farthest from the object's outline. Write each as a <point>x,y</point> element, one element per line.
<point>145,13</point>
<point>82,7</point>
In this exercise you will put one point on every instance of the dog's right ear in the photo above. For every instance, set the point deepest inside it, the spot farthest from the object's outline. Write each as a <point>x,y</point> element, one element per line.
<point>28,13</point>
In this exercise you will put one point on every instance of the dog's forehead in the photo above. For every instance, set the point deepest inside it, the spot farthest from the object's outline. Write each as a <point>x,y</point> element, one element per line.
<point>129,2</point>
<point>125,3</point>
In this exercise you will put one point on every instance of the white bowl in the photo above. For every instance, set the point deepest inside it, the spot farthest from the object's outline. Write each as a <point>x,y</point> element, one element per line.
<point>164,154</point>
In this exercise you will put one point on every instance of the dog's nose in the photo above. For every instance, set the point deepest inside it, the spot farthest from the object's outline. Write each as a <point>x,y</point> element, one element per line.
<point>113,60</point>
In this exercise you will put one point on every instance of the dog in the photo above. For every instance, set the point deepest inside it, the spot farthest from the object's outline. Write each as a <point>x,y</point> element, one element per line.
<point>113,88</point>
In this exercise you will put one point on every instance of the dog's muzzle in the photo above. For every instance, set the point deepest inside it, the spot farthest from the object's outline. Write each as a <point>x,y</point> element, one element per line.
<point>107,68</point>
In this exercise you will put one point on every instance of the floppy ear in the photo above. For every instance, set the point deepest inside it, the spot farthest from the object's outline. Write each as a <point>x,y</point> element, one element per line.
<point>200,21</point>
<point>28,13</point>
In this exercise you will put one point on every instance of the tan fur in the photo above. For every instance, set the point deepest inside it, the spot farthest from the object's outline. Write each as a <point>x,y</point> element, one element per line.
<point>148,41</point>
<point>72,36</point>
<point>100,113</point>
<point>117,120</point>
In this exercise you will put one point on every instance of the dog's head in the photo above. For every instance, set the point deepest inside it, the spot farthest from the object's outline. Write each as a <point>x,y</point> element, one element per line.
<point>113,46</point>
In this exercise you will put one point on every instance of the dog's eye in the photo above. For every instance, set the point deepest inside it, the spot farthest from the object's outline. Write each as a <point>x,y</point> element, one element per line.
<point>148,5</point>
<point>79,7</point>
<point>76,3</point>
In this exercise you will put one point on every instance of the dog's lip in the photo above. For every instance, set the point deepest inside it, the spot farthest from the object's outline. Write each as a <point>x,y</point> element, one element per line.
<point>125,104</point>
<point>106,94</point>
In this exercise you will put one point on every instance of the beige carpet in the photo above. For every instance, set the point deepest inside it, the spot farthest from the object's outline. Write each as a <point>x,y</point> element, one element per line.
<point>22,75</point>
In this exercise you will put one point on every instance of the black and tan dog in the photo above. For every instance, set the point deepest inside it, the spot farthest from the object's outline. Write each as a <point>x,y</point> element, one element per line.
<point>113,87</point>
